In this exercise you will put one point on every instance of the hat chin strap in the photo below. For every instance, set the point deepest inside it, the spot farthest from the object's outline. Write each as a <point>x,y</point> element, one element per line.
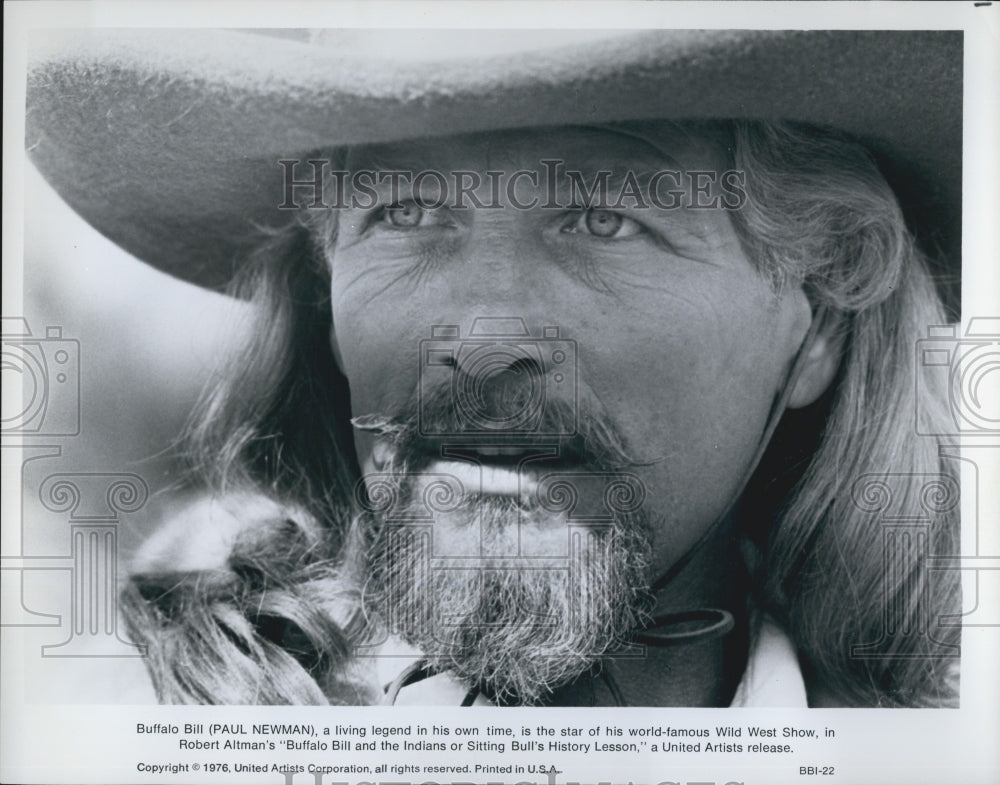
<point>699,624</point>
<point>773,418</point>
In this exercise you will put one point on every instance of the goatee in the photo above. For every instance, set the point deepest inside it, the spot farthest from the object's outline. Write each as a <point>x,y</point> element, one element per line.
<point>516,628</point>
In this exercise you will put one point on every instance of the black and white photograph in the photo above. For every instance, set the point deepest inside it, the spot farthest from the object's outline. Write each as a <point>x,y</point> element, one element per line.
<point>463,377</point>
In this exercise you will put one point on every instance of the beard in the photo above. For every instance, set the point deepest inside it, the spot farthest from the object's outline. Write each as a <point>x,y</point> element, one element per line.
<point>517,628</point>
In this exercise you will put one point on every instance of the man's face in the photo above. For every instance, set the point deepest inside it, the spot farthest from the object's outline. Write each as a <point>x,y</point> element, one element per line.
<point>678,345</point>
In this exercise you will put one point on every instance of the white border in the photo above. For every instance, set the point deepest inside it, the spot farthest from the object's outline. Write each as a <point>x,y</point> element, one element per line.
<point>75,743</point>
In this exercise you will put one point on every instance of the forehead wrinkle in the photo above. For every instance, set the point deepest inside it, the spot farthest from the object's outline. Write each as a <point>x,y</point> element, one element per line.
<point>659,155</point>
<point>700,138</point>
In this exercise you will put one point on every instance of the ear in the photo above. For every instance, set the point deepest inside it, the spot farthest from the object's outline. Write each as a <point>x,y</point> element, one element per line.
<point>822,347</point>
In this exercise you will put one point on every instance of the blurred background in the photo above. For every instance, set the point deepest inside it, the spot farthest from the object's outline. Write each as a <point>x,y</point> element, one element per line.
<point>146,345</point>
<point>101,370</point>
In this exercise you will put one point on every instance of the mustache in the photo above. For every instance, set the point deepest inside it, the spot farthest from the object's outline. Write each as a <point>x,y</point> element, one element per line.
<point>433,422</point>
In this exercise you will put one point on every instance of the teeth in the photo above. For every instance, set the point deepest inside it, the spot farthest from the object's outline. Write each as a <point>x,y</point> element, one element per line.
<point>486,479</point>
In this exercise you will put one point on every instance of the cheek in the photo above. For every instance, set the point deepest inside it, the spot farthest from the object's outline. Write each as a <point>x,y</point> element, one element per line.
<point>695,404</point>
<point>702,368</point>
<point>373,355</point>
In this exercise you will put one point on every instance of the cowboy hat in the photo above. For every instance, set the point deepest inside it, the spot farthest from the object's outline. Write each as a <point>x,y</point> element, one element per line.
<point>167,141</point>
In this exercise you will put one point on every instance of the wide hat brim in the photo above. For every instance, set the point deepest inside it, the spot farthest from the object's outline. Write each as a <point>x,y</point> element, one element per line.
<point>167,141</point>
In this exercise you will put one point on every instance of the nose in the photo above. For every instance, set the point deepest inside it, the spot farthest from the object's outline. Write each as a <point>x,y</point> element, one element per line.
<point>505,268</point>
<point>501,384</point>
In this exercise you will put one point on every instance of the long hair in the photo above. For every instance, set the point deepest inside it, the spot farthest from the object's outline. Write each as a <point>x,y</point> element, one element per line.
<point>819,212</point>
<point>274,624</point>
<point>271,437</point>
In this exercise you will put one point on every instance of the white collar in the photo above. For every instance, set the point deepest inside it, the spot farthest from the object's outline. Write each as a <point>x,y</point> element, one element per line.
<point>772,676</point>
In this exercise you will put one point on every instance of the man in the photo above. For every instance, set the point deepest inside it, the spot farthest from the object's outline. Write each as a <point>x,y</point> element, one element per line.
<point>570,385</point>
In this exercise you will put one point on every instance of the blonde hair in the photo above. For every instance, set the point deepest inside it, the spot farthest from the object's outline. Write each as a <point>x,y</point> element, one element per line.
<point>819,212</point>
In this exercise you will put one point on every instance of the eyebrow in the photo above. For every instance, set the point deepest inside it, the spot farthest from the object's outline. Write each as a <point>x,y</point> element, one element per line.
<point>651,158</point>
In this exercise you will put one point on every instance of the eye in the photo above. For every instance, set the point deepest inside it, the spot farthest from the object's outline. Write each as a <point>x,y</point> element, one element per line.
<point>405,215</point>
<point>605,224</point>
<point>408,215</point>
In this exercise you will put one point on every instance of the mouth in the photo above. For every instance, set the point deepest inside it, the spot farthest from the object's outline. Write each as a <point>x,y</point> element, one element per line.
<point>497,465</point>
<point>493,464</point>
